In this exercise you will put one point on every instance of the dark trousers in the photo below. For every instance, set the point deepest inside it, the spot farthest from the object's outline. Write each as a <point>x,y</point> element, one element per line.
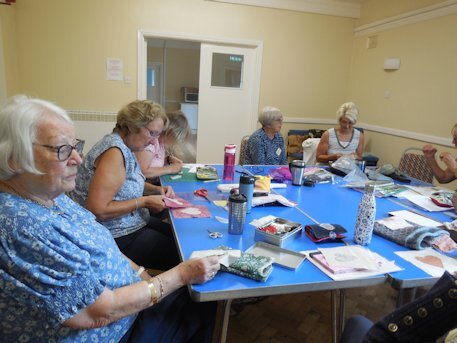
<point>176,319</point>
<point>152,246</point>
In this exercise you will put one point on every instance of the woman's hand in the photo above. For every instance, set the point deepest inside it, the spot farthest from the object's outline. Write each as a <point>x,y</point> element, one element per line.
<point>168,191</point>
<point>154,203</point>
<point>174,164</point>
<point>429,151</point>
<point>199,270</point>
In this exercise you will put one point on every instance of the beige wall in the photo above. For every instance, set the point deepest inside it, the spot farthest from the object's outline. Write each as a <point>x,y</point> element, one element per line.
<point>57,49</point>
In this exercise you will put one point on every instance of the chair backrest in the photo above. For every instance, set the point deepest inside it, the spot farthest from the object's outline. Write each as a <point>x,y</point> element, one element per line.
<point>244,142</point>
<point>414,164</point>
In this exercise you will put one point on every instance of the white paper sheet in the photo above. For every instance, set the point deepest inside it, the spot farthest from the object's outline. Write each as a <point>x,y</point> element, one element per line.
<point>352,256</point>
<point>394,222</point>
<point>226,257</point>
<point>422,201</point>
<point>430,261</point>
<point>387,267</point>
<point>415,218</point>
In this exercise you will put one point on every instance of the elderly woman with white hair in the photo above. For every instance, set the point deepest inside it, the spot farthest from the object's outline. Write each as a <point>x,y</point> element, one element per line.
<point>343,140</point>
<point>62,276</point>
<point>266,145</point>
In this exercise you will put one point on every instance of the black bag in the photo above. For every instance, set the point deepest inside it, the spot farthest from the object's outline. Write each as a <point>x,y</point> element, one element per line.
<point>325,232</point>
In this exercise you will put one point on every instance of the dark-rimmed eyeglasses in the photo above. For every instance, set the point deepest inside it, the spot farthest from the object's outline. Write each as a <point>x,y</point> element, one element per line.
<point>64,151</point>
<point>153,134</point>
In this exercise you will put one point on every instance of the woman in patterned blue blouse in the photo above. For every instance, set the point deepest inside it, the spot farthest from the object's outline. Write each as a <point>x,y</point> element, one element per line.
<point>111,185</point>
<point>266,145</point>
<point>62,276</point>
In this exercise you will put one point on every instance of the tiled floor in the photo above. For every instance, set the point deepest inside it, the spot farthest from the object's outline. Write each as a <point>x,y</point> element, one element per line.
<point>305,317</point>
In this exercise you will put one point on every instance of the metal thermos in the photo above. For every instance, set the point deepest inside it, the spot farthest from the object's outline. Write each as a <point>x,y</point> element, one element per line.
<point>297,169</point>
<point>247,189</point>
<point>237,214</point>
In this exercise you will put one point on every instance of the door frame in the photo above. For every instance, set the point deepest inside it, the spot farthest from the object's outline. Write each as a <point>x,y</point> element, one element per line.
<point>142,48</point>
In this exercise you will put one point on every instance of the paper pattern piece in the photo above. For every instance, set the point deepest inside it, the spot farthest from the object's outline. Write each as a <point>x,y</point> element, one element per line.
<point>394,222</point>
<point>415,218</point>
<point>422,201</point>
<point>384,267</point>
<point>176,202</point>
<point>430,261</point>
<point>195,211</point>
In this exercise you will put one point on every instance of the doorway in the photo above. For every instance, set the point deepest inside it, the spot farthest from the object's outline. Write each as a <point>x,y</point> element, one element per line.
<point>225,114</point>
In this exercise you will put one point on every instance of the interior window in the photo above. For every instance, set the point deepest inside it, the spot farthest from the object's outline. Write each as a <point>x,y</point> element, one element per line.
<point>227,70</point>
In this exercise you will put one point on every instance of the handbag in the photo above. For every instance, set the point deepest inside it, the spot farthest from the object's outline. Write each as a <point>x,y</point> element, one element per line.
<point>325,232</point>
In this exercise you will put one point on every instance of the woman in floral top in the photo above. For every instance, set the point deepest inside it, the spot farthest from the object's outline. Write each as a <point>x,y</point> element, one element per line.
<point>62,276</point>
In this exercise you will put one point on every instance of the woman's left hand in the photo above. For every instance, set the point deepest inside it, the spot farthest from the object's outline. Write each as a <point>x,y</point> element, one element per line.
<point>199,270</point>
<point>168,191</point>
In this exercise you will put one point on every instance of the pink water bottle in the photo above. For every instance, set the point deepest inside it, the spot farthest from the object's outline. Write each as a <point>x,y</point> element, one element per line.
<point>229,161</point>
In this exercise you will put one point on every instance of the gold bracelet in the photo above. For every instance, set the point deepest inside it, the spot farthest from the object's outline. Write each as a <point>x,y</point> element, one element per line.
<point>161,287</point>
<point>153,291</point>
<point>136,204</point>
<point>140,271</point>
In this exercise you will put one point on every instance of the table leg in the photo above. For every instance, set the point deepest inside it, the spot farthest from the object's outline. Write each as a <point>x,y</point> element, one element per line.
<point>222,320</point>
<point>334,296</point>
<point>341,319</point>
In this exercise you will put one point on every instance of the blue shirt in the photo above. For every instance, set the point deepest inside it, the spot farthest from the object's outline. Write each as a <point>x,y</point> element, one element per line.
<point>53,263</point>
<point>132,188</point>
<point>262,150</point>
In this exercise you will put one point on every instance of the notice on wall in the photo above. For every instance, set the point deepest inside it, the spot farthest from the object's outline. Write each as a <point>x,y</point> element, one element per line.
<point>114,69</point>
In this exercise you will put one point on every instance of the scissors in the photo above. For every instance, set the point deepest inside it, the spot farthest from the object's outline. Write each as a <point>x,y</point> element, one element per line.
<point>215,234</point>
<point>202,192</point>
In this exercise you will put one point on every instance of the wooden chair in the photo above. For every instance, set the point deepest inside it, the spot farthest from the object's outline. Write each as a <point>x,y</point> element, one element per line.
<point>244,142</point>
<point>414,164</point>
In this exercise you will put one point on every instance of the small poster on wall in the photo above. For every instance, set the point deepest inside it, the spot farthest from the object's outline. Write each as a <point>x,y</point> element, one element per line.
<point>114,69</point>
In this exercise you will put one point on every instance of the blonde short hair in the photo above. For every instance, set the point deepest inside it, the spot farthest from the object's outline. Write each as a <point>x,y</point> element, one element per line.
<point>138,114</point>
<point>348,110</point>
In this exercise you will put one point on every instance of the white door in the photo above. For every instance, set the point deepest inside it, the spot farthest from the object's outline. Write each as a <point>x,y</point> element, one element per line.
<point>228,98</point>
<point>154,82</point>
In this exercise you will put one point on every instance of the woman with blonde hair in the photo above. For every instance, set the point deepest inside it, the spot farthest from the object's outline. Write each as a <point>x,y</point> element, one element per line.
<point>344,140</point>
<point>159,158</point>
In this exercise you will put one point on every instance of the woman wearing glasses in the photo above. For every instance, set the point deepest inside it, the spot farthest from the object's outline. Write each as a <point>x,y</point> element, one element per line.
<point>266,145</point>
<point>111,185</point>
<point>62,277</point>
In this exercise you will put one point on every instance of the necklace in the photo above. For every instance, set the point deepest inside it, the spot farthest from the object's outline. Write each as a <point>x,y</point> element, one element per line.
<point>49,206</point>
<point>339,143</point>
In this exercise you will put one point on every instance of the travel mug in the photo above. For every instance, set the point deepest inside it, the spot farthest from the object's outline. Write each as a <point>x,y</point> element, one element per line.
<point>247,189</point>
<point>297,169</point>
<point>237,214</point>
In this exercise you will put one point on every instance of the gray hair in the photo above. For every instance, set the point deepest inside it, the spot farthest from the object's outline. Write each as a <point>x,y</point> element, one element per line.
<point>348,110</point>
<point>268,115</point>
<point>19,118</point>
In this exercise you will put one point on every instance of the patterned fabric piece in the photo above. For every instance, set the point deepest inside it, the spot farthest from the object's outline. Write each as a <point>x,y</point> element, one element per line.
<point>412,237</point>
<point>251,266</point>
<point>262,150</point>
<point>51,268</point>
<point>416,166</point>
<point>132,188</point>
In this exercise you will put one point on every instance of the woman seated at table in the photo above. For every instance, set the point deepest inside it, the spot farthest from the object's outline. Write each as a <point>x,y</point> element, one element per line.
<point>62,276</point>
<point>344,140</point>
<point>266,145</point>
<point>159,158</point>
<point>442,175</point>
<point>110,185</point>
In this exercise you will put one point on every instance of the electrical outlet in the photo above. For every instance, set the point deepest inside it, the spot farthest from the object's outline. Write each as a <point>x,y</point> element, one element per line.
<point>372,42</point>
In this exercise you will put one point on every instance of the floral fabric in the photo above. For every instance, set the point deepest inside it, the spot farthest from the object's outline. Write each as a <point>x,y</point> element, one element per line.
<point>254,267</point>
<point>132,188</point>
<point>53,263</point>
